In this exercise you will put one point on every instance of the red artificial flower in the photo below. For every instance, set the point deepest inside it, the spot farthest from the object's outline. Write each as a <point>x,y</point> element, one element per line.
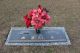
<point>38,26</point>
<point>27,21</point>
<point>39,6</point>
<point>46,18</point>
<point>37,17</point>
<point>30,13</point>
<point>37,22</point>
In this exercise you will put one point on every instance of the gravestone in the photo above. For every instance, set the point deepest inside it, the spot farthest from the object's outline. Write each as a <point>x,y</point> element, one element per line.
<point>27,36</point>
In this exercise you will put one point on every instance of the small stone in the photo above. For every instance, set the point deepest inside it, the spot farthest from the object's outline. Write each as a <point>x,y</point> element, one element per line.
<point>32,37</point>
<point>23,37</point>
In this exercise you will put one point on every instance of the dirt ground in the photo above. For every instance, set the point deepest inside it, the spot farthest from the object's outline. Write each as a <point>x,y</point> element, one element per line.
<point>63,12</point>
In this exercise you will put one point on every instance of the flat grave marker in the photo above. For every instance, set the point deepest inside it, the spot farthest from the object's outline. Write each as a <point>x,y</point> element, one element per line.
<point>27,36</point>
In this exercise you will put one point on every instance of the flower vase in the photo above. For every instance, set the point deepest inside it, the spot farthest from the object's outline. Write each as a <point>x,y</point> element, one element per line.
<point>38,31</point>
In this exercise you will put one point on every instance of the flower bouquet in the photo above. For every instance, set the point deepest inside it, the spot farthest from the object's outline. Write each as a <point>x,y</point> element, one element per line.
<point>37,18</point>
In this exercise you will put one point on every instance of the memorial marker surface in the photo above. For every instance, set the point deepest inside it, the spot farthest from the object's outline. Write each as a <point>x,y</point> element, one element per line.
<point>27,36</point>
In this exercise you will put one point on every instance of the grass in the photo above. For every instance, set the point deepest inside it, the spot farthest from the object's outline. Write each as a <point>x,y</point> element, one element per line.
<point>63,12</point>
<point>49,50</point>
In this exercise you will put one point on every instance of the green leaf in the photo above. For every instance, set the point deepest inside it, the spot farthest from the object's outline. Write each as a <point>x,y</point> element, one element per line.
<point>55,21</point>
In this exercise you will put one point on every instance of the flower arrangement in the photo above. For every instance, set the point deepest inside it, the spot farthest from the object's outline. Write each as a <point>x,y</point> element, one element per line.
<point>37,18</point>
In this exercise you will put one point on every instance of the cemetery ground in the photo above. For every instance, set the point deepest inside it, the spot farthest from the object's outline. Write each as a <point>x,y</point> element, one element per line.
<point>64,13</point>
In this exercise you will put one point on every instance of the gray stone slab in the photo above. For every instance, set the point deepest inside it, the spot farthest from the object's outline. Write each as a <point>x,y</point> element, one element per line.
<point>27,36</point>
